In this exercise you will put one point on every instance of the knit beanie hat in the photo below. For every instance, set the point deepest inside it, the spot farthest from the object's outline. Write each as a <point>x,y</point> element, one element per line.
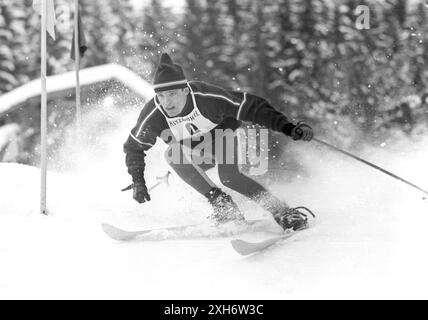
<point>168,75</point>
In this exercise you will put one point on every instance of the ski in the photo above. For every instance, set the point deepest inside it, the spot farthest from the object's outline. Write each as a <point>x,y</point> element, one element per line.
<point>246,248</point>
<point>123,235</point>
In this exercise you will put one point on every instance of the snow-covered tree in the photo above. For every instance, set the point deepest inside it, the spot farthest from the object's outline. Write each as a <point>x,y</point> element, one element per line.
<point>11,27</point>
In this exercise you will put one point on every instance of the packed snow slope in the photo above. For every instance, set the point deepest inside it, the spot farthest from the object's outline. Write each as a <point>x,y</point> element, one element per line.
<point>368,240</point>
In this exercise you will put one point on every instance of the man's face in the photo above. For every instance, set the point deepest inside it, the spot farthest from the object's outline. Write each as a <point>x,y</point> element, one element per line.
<point>173,101</point>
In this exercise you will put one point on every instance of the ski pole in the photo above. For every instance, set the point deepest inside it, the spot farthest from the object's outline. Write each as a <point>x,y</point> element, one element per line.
<point>163,179</point>
<point>371,165</point>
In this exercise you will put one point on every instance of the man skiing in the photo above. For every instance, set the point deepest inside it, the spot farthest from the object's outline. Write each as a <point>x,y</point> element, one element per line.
<point>183,110</point>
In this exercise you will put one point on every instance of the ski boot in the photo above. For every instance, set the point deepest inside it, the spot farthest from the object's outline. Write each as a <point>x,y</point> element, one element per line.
<point>225,209</point>
<point>292,218</point>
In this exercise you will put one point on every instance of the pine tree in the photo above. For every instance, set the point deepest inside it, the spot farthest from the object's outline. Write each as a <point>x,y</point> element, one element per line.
<point>28,65</point>
<point>192,43</point>
<point>284,59</point>
<point>124,26</point>
<point>10,24</point>
<point>417,42</point>
<point>59,60</point>
<point>400,8</point>
<point>154,34</point>
<point>215,67</point>
<point>232,55</point>
<point>99,21</point>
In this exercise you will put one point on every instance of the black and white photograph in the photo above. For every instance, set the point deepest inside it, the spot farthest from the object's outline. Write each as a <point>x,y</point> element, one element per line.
<point>197,150</point>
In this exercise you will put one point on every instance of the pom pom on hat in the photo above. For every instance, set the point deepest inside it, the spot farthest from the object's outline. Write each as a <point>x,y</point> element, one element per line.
<point>168,75</point>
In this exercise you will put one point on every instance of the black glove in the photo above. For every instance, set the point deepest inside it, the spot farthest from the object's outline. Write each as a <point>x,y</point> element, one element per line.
<point>140,194</point>
<point>302,131</point>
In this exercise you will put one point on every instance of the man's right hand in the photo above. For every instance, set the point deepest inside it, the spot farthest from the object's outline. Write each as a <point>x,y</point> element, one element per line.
<point>140,194</point>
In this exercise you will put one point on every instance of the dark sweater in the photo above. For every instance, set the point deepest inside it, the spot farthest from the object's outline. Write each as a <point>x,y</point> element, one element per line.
<point>223,109</point>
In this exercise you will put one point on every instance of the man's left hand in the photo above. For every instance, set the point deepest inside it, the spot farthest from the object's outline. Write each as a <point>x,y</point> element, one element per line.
<point>302,131</point>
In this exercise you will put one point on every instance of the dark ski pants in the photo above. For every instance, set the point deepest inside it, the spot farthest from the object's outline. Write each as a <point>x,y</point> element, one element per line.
<point>228,171</point>
<point>193,170</point>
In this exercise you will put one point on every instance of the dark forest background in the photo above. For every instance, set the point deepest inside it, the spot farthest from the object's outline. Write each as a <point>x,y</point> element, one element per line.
<point>307,57</point>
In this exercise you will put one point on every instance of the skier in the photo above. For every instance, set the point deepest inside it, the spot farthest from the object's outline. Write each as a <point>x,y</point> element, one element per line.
<point>182,110</point>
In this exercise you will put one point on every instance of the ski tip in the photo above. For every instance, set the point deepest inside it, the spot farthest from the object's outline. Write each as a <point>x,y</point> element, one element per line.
<point>107,227</point>
<point>236,242</point>
<point>110,231</point>
<point>115,233</point>
<point>239,246</point>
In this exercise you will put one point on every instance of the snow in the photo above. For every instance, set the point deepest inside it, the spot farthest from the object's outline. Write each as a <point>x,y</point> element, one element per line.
<point>368,240</point>
<point>8,134</point>
<point>68,80</point>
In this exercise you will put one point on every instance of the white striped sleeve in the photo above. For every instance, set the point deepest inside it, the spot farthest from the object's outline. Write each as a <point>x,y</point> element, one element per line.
<point>218,96</point>
<point>144,122</point>
<point>139,141</point>
<point>241,106</point>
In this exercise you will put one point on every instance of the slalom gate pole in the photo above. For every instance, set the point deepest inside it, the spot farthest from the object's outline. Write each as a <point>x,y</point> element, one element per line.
<point>371,165</point>
<point>43,110</point>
